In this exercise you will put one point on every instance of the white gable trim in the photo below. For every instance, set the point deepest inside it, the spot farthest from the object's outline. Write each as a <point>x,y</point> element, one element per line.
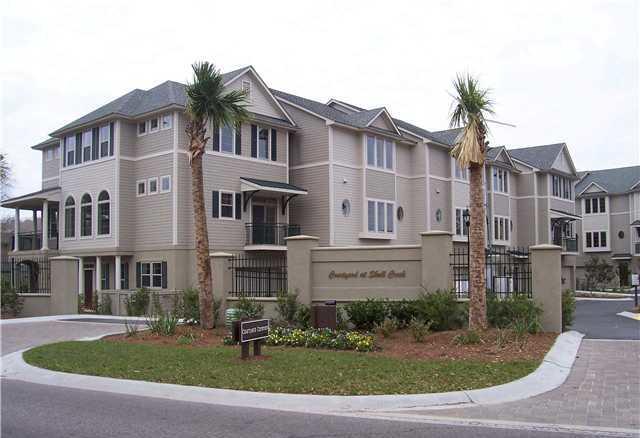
<point>515,160</point>
<point>424,139</point>
<point>589,186</point>
<point>636,185</point>
<point>565,150</point>
<point>301,108</point>
<point>337,102</point>
<point>264,86</point>
<point>503,150</point>
<point>385,112</point>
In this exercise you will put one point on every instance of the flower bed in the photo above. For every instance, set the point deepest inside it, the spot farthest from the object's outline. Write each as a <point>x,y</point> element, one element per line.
<point>321,338</point>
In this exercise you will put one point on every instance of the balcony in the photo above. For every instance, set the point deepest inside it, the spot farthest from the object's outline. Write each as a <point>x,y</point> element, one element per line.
<point>269,236</point>
<point>29,241</point>
<point>568,244</point>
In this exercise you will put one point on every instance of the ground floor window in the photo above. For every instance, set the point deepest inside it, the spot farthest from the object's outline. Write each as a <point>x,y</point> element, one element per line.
<point>104,281</point>
<point>151,275</point>
<point>380,216</point>
<point>596,239</point>
<point>124,272</point>
<point>462,222</point>
<point>501,228</point>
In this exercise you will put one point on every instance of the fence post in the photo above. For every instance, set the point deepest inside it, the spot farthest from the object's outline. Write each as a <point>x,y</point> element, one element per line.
<point>64,285</point>
<point>299,266</point>
<point>436,272</point>
<point>222,279</point>
<point>547,284</point>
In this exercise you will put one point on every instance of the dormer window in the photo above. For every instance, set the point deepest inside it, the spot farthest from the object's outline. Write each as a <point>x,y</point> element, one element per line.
<point>246,87</point>
<point>142,128</point>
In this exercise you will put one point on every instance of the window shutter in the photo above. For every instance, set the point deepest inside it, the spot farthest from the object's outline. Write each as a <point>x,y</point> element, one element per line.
<point>94,144</point>
<point>111,137</point>
<point>138,275</point>
<point>274,145</point>
<point>215,204</point>
<point>254,141</point>
<point>216,138</point>
<point>164,275</point>
<point>239,139</point>
<point>64,152</point>
<point>238,206</point>
<point>78,148</point>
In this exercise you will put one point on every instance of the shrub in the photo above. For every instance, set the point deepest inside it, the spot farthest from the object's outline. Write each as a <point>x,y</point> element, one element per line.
<point>568,308</point>
<point>186,339</point>
<point>321,338</point>
<point>302,317</point>
<point>469,337</point>
<point>11,302</point>
<point>342,323</point>
<point>137,303</point>
<point>130,329</point>
<point>250,308</point>
<point>287,306</point>
<point>187,307</point>
<point>598,273</point>
<point>104,305</point>
<point>387,327</point>
<point>502,313</point>
<point>365,315</point>
<point>163,324</point>
<point>419,329</point>
<point>402,311</point>
<point>441,309</point>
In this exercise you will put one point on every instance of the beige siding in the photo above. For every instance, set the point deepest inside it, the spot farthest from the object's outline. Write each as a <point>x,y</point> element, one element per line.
<point>153,143</point>
<point>310,143</point>
<point>312,211</point>
<point>500,204</point>
<point>619,204</point>
<point>439,162</point>
<point>411,199</point>
<point>127,210</point>
<point>347,228</point>
<point>404,159</point>
<point>128,139</point>
<point>347,146</point>
<point>51,183</point>
<point>380,185</point>
<point>259,102</point>
<point>524,185</point>
<point>440,199</point>
<point>382,122</point>
<point>50,168</point>
<point>619,222</point>
<point>524,222</point>
<point>562,205</point>
<point>544,223</point>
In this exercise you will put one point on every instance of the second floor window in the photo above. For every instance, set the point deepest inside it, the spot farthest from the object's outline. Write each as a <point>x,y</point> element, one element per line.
<point>87,140</point>
<point>561,187</point>
<point>500,180</point>
<point>227,139</point>
<point>595,205</point>
<point>263,144</point>
<point>104,213</point>
<point>501,228</point>
<point>49,154</point>
<point>462,220</point>
<point>70,146</point>
<point>69,218</point>
<point>380,152</point>
<point>85,216</point>
<point>105,141</point>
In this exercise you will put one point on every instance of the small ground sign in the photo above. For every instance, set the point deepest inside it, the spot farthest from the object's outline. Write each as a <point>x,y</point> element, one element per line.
<point>254,329</point>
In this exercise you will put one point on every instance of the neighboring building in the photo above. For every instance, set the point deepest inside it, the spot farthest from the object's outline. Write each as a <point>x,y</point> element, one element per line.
<point>609,201</point>
<point>116,186</point>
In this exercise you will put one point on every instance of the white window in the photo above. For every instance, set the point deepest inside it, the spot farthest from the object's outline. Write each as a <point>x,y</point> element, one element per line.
<point>595,205</point>
<point>86,221</point>
<point>500,180</point>
<point>227,205</point>
<point>228,139</point>
<point>462,222</point>
<point>165,184</point>
<point>380,218</point>
<point>460,173</point>
<point>141,188</point>
<point>105,140</point>
<point>153,124</point>
<point>151,274</point>
<point>87,141</point>
<point>561,187</point>
<point>49,154</point>
<point>142,128</point>
<point>104,214</point>
<point>595,239</point>
<point>165,121</point>
<point>263,143</point>
<point>153,185</point>
<point>380,152</point>
<point>501,228</point>
<point>70,144</point>
<point>56,152</point>
<point>246,87</point>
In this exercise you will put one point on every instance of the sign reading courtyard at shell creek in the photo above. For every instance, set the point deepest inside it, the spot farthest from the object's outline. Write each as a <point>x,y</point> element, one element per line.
<point>391,274</point>
<point>254,330</point>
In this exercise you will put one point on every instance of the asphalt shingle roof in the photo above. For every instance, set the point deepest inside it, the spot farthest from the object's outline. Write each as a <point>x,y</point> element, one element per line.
<point>273,184</point>
<point>541,157</point>
<point>618,180</point>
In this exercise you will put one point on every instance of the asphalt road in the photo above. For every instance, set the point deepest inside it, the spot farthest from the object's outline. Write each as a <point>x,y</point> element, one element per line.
<point>597,319</point>
<point>36,411</point>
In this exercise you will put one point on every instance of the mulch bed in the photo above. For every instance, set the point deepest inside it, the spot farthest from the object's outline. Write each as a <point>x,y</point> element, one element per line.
<point>436,346</point>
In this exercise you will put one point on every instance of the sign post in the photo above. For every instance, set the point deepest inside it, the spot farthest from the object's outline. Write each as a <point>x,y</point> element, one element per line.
<point>248,331</point>
<point>635,282</point>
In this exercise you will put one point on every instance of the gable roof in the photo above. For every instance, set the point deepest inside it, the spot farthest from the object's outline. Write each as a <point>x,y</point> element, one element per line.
<point>541,157</point>
<point>614,181</point>
<point>139,102</point>
<point>493,153</point>
<point>48,142</point>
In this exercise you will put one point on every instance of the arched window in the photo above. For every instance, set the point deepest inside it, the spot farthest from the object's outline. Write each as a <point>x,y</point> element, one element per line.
<point>104,213</point>
<point>85,215</point>
<point>70,218</point>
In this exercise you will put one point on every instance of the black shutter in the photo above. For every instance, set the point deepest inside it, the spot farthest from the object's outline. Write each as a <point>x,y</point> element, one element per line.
<point>164,275</point>
<point>215,204</point>
<point>78,148</point>
<point>238,206</point>
<point>94,144</point>
<point>111,137</point>
<point>239,139</point>
<point>216,138</point>
<point>254,141</point>
<point>274,145</point>
<point>138,275</point>
<point>64,152</point>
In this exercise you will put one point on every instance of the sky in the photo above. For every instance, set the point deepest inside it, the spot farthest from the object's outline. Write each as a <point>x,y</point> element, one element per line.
<point>560,71</point>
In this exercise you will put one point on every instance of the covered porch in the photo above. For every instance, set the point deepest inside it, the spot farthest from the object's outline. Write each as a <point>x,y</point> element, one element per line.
<point>563,230</point>
<point>44,206</point>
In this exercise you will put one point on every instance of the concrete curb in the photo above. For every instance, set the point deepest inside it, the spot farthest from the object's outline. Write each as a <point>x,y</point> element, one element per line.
<point>62,318</point>
<point>634,316</point>
<point>549,375</point>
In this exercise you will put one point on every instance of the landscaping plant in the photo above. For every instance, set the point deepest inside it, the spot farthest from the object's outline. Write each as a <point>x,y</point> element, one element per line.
<point>104,305</point>
<point>402,311</point>
<point>441,309</point>
<point>138,302</point>
<point>250,308</point>
<point>387,327</point>
<point>131,329</point>
<point>568,308</point>
<point>187,306</point>
<point>164,324</point>
<point>469,337</point>
<point>419,329</point>
<point>302,318</point>
<point>504,312</point>
<point>321,338</point>
<point>287,306</point>
<point>11,302</point>
<point>365,315</point>
<point>598,273</point>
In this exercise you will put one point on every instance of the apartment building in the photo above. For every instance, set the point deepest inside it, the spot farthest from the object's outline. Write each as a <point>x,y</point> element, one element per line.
<point>116,186</point>
<point>609,201</point>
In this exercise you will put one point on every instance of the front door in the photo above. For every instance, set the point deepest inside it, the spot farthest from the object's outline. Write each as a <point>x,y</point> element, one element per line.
<point>88,289</point>
<point>264,217</point>
<point>623,274</point>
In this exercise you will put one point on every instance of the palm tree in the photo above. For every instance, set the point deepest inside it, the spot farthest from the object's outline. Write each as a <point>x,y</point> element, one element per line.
<point>471,105</point>
<point>207,105</point>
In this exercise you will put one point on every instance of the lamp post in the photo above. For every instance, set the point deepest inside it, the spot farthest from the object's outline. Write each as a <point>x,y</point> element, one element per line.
<point>466,216</point>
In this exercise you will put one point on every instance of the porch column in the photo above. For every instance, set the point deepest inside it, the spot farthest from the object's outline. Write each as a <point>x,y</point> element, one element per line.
<point>45,225</point>
<point>98,274</point>
<point>35,222</point>
<point>16,230</point>
<point>118,278</point>
<point>80,276</point>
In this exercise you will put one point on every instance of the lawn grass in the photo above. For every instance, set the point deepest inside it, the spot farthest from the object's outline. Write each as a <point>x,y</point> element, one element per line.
<point>288,370</point>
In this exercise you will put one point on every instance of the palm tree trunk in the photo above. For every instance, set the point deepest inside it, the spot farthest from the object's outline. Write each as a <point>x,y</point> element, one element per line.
<point>203,263</point>
<point>477,290</point>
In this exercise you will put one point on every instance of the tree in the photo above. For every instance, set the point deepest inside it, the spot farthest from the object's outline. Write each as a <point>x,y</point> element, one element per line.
<point>207,105</point>
<point>598,273</point>
<point>470,107</point>
<point>5,176</point>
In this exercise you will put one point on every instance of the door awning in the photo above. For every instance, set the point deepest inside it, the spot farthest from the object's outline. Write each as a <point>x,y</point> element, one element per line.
<point>559,214</point>
<point>251,186</point>
<point>32,201</point>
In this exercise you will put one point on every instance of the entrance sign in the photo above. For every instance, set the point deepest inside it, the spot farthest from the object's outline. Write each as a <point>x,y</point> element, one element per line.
<point>254,329</point>
<point>635,280</point>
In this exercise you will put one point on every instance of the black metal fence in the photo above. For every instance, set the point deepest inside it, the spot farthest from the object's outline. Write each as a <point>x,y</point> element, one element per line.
<point>507,271</point>
<point>258,276</point>
<point>28,274</point>
<point>270,234</point>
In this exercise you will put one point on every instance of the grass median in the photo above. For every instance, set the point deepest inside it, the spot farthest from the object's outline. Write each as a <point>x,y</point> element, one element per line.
<point>285,370</point>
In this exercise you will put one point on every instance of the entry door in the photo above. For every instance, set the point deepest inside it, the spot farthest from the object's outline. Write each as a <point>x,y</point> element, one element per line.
<point>264,224</point>
<point>623,274</point>
<point>88,289</point>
